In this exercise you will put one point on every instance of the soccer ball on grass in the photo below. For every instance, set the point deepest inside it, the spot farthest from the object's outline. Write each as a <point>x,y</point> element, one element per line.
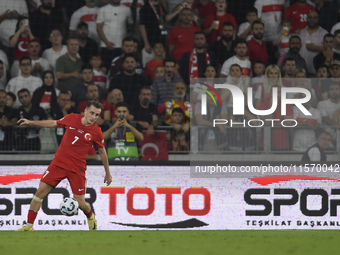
<point>69,206</point>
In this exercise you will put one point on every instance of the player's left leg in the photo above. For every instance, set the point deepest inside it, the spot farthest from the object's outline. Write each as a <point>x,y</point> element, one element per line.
<point>78,186</point>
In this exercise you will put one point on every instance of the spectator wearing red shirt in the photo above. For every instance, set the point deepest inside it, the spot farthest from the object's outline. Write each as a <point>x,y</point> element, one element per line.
<point>297,13</point>
<point>206,8</point>
<point>151,66</point>
<point>180,39</point>
<point>257,49</point>
<point>213,23</point>
<point>279,136</point>
<point>93,94</point>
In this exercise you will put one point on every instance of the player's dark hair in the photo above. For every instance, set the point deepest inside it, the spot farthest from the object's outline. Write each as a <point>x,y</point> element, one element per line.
<point>129,55</point>
<point>294,37</point>
<point>288,59</point>
<point>95,104</point>
<point>179,110</point>
<point>169,60</point>
<point>122,104</point>
<point>23,91</point>
<point>329,35</point>
<point>83,24</point>
<point>256,22</point>
<point>228,24</point>
<point>260,62</point>
<point>252,10</point>
<point>240,41</point>
<point>86,66</point>
<point>145,87</point>
<point>11,94</point>
<point>25,58</point>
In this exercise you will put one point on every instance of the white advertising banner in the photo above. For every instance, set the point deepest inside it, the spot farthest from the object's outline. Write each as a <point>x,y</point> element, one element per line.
<point>165,197</point>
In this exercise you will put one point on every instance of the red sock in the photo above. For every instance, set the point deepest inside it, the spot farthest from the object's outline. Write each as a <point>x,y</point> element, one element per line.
<point>89,214</point>
<point>31,216</point>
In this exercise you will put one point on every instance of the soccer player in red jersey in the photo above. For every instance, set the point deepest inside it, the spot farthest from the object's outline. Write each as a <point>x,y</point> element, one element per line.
<point>69,161</point>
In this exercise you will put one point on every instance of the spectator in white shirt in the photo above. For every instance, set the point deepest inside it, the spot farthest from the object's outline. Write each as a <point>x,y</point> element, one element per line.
<point>329,106</point>
<point>24,80</point>
<point>39,65</point>
<point>311,40</point>
<point>306,137</point>
<point>113,22</point>
<point>88,14</point>
<point>57,50</point>
<point>10,12</point>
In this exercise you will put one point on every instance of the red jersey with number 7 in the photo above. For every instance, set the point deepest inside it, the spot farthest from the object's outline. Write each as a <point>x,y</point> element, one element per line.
<point>76,143</point>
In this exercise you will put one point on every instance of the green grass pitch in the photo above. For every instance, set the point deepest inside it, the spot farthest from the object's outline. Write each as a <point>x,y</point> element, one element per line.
<point>259,242</point>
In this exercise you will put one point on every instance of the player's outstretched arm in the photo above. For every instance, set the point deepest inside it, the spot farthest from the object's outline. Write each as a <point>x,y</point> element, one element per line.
<point>103,156</point>
<point>38,123</point>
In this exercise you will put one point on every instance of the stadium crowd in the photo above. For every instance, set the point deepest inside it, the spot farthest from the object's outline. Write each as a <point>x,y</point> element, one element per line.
<point>57,55</point>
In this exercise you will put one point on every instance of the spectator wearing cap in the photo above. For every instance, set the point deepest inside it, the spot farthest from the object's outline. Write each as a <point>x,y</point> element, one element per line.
<point>328,12</point>
<point>311,40</point>
<point>43,20</point>
<point>327,55</point>
<point>79,92</point>
<point>162,87</point>
<point>257,49</point>
<point>334,70</point>
<point>113,22</point>
<point>316,153</point>
<point>180,39</point>
<point>39,65</point>
<point>87,46</point>
<point>57,49</point>
<point>24,80</point>
<point>88,13</point>
<point>128,81</point>
<point>224,47</point>
<point>68,66</point>
<point>293,52</point>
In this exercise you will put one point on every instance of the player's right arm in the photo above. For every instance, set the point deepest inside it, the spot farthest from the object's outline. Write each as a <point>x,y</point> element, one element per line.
<point>38,123</point>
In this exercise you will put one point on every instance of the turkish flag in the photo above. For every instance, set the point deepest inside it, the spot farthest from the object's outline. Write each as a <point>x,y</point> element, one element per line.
<point>154,147</point>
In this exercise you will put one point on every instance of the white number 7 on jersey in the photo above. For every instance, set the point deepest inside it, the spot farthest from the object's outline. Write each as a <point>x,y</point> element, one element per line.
<point>75,139</point>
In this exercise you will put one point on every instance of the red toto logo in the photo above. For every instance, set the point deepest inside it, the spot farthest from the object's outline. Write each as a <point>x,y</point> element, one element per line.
<point>167,191</point>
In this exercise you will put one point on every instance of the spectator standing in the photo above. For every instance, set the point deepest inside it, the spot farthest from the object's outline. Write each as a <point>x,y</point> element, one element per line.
<point>311,40</point>
<point>145,113</point>
<point>193,63</point>
<point>151,66</point>
<point>180,39</point>
<point>293,52</point>
<point>316,153</point>
<point>129,82</point>
<point>57,49</point>
<point>306,137</point>
<point>270,12</point>
<point>205,8</point>
<point>8,119</point>
<point>328,13</point>
<point>163,87</point>
<point>39,65</point>
<point>257,49</point>
<point>239,58</point>
<point>24,80</point>
<point>113,22</point>
<point>327,55</point>
<point>135,7</point>
<point>28,138</point>
<point>19,41</point>
<point>224,47</point>
<point>87,46</point>
<point>244,30</point>
<point>11,11</point>
<point>213,24</point>
<point>88,14</point>
<point>174,13</point>
<point>297,13</point>
<point>68,66</point>
<point>79,91</point>
<point>43,20</point>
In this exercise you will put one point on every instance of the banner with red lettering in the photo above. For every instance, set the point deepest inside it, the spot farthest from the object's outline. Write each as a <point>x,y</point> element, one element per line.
<point>154,147</point>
